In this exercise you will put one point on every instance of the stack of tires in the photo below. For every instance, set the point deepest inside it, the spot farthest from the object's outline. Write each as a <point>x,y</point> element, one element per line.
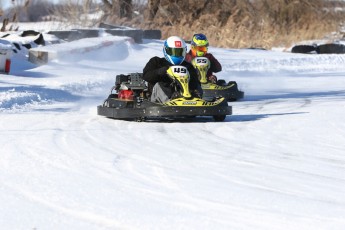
<point>331,48</point>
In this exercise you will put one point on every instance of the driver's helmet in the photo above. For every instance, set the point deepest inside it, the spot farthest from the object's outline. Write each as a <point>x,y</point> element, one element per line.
<point>199,45</point>
<point>175,50</point>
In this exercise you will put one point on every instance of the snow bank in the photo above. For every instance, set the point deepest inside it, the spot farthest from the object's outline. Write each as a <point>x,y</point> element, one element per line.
<point>42,55</point>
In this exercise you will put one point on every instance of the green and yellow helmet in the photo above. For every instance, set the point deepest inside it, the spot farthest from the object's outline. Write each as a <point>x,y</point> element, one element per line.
<point>199,45</point>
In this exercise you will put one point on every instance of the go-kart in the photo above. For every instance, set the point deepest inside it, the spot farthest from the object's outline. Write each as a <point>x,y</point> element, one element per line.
<point>129,100</point>
<point>221,88</point>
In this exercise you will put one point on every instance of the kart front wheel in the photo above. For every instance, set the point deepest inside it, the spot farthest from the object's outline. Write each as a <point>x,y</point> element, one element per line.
<point>219,117</point>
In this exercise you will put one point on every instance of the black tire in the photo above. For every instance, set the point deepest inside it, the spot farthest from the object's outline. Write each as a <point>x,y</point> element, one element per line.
<point>221,82</point>
<point>219,117</point>
<point>331,49</point>
<point>27,33</point>
<point>235,85</point>
<point>304,49</point>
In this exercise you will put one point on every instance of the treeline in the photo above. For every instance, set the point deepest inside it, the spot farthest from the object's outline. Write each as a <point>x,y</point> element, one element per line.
<point>38,10</point>
<point>78,13</point>
<point>227,23</point>
<point>26,11</point>
<point>247,23</point>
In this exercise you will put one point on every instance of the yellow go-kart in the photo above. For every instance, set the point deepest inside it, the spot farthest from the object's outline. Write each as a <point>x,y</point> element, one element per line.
<point>211,90</point>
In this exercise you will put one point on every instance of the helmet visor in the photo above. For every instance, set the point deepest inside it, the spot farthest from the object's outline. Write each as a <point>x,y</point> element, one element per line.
<point>175,51</point>
<point>200,48</point>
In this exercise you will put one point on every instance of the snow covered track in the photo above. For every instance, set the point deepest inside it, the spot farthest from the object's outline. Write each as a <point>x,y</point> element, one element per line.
<point>261,60</point>
<point>277,163</point>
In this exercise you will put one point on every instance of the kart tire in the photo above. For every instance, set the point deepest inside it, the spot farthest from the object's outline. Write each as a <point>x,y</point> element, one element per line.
<point>219,117</point>
<point>232,82</point>
<point>221,82</point>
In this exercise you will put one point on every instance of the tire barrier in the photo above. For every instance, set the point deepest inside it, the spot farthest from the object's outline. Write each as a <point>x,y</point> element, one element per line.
<point>72,35</point>
<point>67,35</point>
<point>152,34</point>
<point>26,40</point>
<point>137,35</point>
<point>145,34</point>
<point>42,55</point>
<point>319,49</point>
<point>304,49</point>
<point>331,49</point>
<point>109,26</point>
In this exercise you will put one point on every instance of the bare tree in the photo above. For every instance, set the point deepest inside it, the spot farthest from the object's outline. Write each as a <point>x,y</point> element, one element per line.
<point>77,12</point>
<point>123,8</point>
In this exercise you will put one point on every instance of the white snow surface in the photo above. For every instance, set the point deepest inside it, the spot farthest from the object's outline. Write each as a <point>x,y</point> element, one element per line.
<point>277,163</point>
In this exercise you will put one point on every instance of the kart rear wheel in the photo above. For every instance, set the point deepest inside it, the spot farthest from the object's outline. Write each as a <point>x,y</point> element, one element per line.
<point>232,82</point>
<point>221,82</point>
<point>219,117</point>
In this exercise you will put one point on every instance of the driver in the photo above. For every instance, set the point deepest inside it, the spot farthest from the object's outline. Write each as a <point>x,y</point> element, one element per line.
<point>155,71</point>
<point>199,48</point>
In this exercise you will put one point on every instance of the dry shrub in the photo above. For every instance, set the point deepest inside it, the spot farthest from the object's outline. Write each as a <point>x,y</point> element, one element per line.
<point>227,23</point>
<point>77,12</point>
<point>10,17</point>
<point>246,23</point>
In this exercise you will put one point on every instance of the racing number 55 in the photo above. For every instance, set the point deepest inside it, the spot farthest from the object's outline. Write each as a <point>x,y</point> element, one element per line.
<point>201,61</point>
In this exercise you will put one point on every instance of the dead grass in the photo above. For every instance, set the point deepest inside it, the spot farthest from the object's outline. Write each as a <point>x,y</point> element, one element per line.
<point>227,23</point>
<point>244,23</point>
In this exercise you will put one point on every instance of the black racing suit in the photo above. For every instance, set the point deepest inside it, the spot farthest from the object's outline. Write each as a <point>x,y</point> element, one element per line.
<point>156,71</point>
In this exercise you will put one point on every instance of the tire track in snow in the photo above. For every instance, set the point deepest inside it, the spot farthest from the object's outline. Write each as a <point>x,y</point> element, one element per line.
<point>93,218</point>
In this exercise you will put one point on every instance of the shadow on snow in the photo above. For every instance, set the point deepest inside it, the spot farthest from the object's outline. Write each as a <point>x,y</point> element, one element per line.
<point>340,93</point>
<point>254,117</point>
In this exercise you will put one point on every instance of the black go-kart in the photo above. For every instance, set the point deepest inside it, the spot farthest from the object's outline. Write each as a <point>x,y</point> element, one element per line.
<point>129,100</point>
